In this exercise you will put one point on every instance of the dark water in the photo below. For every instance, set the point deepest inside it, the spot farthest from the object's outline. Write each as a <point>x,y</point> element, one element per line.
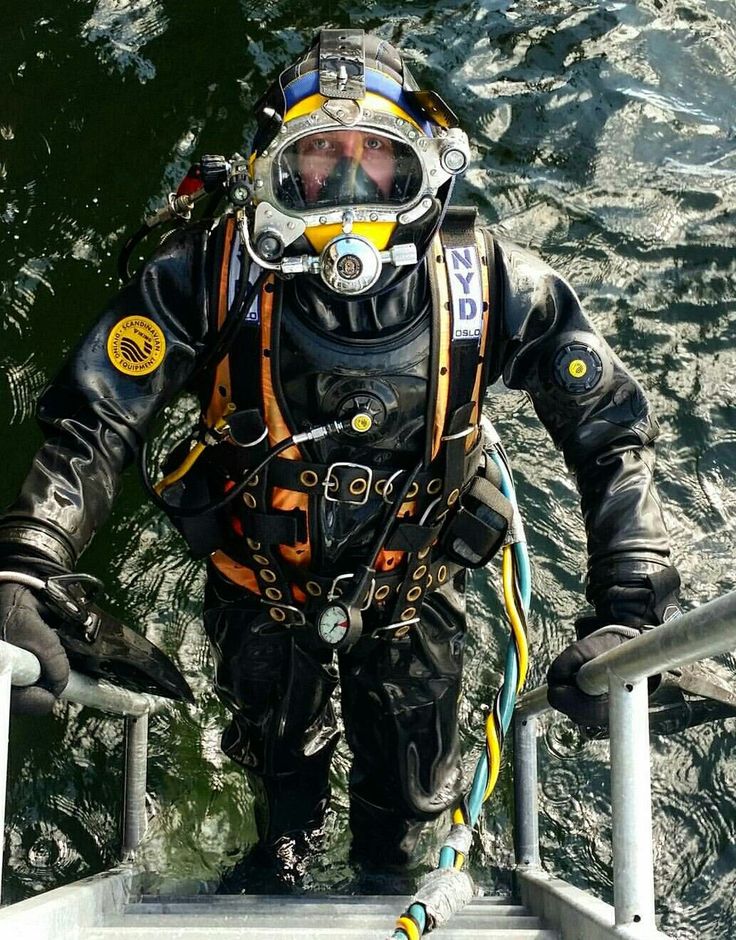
<point>605,139</point>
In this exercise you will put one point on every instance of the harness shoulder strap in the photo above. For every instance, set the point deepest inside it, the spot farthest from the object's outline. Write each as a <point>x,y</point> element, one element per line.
<point>465,312</point>
<point>230,265</point>
<point>221,393</point>
<point>466,270</point>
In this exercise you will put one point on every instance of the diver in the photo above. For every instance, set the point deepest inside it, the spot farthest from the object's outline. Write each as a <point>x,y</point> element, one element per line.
<point>340,323</point>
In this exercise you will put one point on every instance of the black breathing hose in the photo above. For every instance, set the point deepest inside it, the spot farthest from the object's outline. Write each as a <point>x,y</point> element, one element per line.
<point>217,504</point>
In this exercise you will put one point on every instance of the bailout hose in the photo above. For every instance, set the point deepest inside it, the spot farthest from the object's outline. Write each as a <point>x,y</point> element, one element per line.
<point>447,889</point>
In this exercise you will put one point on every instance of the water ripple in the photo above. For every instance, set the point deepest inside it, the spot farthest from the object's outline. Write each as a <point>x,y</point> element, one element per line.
<point>25,381</point>
<point>122,28</point>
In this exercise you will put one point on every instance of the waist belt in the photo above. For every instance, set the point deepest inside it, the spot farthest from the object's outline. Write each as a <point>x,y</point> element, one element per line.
<point>380,598</point>
<point>347,481</point>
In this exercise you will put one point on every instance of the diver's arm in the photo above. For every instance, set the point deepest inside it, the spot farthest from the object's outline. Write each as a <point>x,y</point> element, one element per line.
<point>600,418</point>
<point>95,415</point>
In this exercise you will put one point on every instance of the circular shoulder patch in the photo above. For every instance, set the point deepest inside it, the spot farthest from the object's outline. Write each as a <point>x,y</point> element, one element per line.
<point>577,368</point>
<point>136,346</point>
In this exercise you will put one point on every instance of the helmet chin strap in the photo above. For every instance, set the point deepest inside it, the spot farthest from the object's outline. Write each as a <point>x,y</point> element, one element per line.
<point>349,264</point>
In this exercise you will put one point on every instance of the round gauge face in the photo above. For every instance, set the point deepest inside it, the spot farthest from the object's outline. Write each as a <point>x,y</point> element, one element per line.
<point>333,623</point>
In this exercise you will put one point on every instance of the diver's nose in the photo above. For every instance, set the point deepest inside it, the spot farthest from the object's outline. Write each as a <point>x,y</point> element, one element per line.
<point>352,144</point>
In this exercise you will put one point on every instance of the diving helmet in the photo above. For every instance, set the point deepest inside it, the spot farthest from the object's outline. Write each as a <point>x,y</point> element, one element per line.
<point>352,167</point>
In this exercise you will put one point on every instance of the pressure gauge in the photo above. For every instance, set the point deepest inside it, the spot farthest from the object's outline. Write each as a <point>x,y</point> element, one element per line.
<point>339,625</point>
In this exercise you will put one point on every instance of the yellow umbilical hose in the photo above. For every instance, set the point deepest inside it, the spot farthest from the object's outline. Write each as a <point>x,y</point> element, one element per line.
<point>193,456</point>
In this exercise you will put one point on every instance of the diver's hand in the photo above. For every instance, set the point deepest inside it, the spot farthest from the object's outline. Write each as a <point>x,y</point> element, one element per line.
<point>563,692</point>
<point>24,622</point>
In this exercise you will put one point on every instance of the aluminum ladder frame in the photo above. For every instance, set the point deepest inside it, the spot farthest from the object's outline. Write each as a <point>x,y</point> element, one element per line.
<point>703,632</point>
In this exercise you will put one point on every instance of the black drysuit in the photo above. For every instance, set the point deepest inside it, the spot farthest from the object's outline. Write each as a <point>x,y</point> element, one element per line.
<point>399,693</point>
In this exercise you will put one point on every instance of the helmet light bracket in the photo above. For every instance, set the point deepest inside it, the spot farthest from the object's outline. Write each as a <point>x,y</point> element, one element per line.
<point>344,111</point>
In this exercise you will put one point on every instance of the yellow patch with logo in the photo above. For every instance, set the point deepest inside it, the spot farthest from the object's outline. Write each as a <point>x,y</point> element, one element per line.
<point>577,368</point>
<point>136,346</point>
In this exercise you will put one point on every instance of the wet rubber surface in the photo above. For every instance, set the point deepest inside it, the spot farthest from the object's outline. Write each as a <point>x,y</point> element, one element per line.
<point>603,138</point>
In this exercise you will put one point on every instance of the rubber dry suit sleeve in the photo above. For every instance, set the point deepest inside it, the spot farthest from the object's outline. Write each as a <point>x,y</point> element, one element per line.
<point>594,411</point>
<point>95,414</point>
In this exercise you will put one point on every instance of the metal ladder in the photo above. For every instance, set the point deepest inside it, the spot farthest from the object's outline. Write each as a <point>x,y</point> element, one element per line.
<point>111,904</point>
<point>211,917</point>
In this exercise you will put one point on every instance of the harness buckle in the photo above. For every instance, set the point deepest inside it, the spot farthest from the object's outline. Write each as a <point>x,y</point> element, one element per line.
<point>332,594</point>
<point>464,433</point>
<point>331,482</point>
<point>389,487</point>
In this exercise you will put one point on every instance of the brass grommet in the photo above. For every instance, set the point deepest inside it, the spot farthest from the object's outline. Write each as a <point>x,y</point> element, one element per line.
<point>413,490</point>
<point>268,576</point>
<point>249,500</point>
<point>419,573</point>
<point>424,552</point>
<point>402,631</point>
<point>434,486</point>
<point>277,614</point>
<point>453,497</point>
<point>382,592</point>
<point>261,560</point>
<point>408,613</point>
<point>358,487</point>
<point>254,481</point>
<point>441,574</point>
<point>252,544</point>
<point>414,593</point>
<point>380,487</point>
<point>428,585</point>
<point>308,478</point>
<point>313,588</point>
<point>273,594</point>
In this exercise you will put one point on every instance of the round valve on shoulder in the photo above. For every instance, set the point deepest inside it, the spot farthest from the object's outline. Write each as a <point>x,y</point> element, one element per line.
<point>361,422</point>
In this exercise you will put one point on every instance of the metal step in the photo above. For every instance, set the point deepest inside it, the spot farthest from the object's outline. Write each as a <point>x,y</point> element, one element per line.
<point>317,917</point>
<point>271,901</point>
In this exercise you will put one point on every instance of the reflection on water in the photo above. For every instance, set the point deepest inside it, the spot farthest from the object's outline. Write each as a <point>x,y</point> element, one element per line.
<point>603,138</point>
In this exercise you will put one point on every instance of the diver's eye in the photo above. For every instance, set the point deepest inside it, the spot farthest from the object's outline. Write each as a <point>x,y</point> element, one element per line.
<point>373,143</point>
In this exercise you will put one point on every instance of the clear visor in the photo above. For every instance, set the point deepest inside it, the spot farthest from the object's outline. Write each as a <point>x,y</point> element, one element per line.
<point>348,167</point>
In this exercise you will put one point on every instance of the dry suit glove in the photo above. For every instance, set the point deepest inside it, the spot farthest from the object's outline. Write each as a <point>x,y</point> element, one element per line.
<point>632,607</point>
<point>24,622</point>
<point>563,692</point>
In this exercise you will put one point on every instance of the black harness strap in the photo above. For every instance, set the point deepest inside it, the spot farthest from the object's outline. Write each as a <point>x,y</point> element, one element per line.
<point>463,272</point>
<point>460,264</point>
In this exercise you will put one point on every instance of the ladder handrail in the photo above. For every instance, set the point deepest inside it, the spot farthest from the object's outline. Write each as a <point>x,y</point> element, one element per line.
<point>20,667</point>
<point>25,669</point>
<point>622,673</point>
<point>706,631</point>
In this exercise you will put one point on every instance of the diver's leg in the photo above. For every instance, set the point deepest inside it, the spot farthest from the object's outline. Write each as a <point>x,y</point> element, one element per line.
<point>283,730</point>
<point>400,702</point>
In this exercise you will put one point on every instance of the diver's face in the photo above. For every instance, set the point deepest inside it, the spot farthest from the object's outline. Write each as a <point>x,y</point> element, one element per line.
<point>322,154</point>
